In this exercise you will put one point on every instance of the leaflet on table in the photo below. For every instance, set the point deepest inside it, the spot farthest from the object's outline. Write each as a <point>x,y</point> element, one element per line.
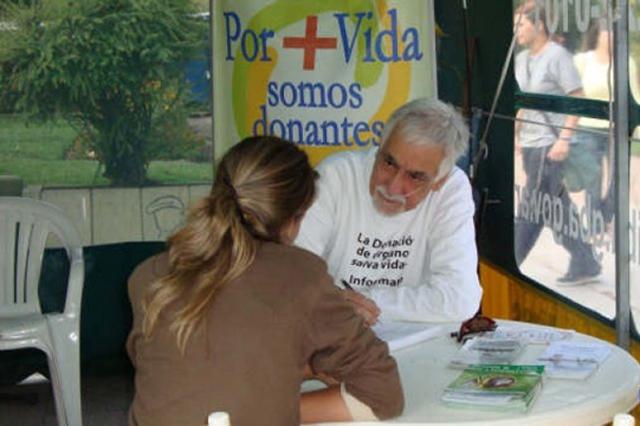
<point>487,350</point>
<point>495,387</point>
<point>399,335</point>
<point>573,360</point>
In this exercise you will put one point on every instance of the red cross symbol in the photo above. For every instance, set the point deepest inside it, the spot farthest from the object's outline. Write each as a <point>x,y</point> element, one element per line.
<point>310,42</point>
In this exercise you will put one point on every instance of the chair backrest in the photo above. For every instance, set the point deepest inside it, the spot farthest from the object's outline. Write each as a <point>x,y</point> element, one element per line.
<point>25,225</point>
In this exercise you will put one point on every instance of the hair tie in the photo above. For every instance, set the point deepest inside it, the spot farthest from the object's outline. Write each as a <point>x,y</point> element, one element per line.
<point>239,212</point>
<point>245,223</point>
<point>227,183</point>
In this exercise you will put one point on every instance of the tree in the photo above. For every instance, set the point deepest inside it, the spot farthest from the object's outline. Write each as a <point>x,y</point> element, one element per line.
<point>108,66</point>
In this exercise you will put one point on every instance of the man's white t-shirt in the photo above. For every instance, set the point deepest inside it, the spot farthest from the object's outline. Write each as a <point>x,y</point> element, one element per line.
<point>419,265</point>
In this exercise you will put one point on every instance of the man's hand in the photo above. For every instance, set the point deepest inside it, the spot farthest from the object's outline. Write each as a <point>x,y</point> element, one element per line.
<point>559,151</point>
<point>364,306</point>
<point>307,373</point>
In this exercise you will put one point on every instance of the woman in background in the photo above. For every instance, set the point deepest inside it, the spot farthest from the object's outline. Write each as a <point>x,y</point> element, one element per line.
<point>594,65</point>
<point>231,316</point>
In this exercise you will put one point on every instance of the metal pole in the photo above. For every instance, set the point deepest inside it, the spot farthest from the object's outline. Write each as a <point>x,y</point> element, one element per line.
<point>621,173</point>
<point>212,42</point>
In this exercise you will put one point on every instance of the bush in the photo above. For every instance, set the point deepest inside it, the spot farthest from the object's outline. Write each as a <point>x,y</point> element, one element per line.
<point>173,139</point>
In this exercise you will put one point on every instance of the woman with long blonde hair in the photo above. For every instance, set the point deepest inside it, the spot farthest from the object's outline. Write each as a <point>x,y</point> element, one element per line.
<point>232,317</point>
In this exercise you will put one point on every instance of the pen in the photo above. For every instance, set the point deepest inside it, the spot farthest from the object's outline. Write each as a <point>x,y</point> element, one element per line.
<point>346,285</point>
<point>376,319</point>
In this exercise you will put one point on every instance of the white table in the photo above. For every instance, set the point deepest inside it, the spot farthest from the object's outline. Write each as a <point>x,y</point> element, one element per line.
<point>612,389</point>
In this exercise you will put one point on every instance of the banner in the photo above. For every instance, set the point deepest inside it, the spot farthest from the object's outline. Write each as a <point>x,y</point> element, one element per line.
<point>323,74</point>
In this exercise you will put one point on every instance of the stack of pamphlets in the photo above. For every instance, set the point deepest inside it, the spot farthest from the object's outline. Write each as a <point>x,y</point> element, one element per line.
<point>495,387</point>
<point>487,350</point>
<point>573,360</point>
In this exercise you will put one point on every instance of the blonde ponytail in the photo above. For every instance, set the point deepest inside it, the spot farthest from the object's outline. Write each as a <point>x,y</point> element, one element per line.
<point>262,183</point>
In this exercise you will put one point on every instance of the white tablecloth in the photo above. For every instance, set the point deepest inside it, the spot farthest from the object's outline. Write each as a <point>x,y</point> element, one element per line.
<point>612,389</point>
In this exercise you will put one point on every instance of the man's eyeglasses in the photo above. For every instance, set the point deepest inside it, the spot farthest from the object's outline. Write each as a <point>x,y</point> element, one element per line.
<point>388,164</point>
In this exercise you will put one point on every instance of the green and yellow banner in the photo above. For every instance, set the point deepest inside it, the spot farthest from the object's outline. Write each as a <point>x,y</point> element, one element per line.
<point>323,74</point>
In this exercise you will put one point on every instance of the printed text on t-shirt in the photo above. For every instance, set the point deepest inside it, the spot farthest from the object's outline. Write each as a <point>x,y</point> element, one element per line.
<point>377,254</point>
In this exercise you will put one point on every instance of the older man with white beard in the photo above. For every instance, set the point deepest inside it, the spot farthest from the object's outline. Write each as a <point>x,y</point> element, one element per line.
<point>395,223</point>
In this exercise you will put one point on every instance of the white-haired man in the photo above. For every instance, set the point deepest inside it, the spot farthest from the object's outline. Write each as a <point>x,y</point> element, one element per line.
<point>395,223</point>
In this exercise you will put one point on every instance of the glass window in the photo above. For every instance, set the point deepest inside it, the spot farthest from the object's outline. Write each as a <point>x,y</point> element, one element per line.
<point>126,141</point>
<point>564,204</point>
<point>634,49</point>
<point>551,34</point>
<point>563,214</point>
<point>634,226</point>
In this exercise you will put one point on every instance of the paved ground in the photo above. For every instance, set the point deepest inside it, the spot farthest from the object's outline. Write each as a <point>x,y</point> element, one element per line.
<point>548,260</point>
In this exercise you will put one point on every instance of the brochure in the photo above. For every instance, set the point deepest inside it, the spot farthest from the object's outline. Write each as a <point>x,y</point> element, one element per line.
<point>573,360</point>
<point>532,335</point>
<point>487,350</point>
<point>495,387</point>
<point>400,334</point>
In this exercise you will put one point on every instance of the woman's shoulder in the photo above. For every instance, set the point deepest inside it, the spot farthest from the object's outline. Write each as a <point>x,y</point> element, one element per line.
<point>155,266</point>
<point>149,270</point>
<point>284,265</point>
<point>293,259</point>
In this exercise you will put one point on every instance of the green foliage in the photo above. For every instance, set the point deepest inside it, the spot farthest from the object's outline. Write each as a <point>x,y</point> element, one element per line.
<point>202,5</point>
<point>634,36</point>
<point>111,67</point>
<point>55,153</point>
<point>19,140</point>
<point>172,138</point>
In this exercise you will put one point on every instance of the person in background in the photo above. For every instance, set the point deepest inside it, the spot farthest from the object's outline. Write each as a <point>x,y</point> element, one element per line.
<point>232,317</point>
<point>395,223</point>
<point>594,65</point>
<point>543,138</point>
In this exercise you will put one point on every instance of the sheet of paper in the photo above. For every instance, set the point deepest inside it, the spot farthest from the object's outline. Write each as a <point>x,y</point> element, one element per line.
<point>399,335</point>
<point>573,360</point>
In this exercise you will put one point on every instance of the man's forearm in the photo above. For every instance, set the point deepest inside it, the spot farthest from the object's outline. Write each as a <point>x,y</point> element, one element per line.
<point>429,304</point>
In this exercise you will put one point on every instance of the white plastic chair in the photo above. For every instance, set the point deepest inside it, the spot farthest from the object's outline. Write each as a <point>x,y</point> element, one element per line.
<point>25,225</point>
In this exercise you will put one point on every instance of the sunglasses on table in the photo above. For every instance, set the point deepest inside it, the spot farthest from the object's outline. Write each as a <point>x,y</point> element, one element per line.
<point>473,326</point>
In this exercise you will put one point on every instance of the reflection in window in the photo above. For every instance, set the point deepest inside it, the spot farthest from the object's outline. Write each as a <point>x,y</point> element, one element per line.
<point>634,48</point>
<point>634,226</point>
<point>564,214</point>
<point>580,30</point>
<point>543,64</point>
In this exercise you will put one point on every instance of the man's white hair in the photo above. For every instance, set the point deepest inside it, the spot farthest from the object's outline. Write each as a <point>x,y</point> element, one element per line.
<point>430,122</point>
